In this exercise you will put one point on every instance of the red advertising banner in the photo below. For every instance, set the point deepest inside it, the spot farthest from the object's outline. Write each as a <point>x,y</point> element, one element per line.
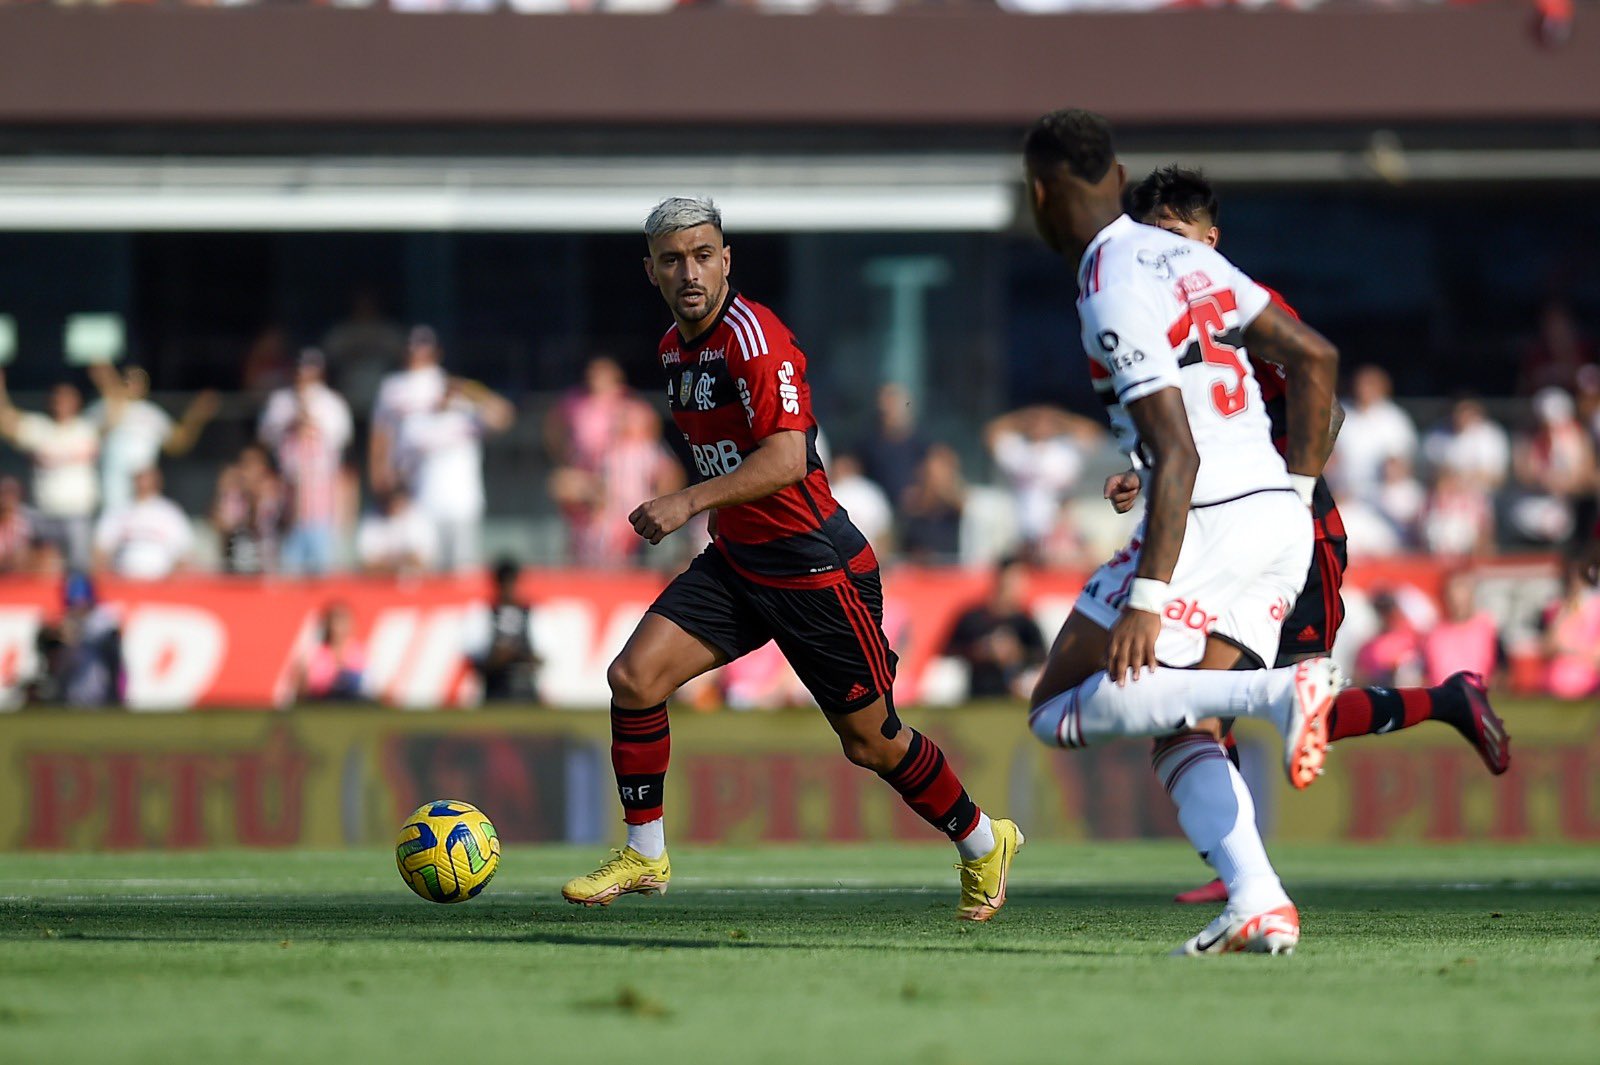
<point>233,642</point>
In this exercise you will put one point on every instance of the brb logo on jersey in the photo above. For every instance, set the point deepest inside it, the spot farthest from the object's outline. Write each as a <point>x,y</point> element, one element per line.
<point>788,391</point>
<point>713,460</point>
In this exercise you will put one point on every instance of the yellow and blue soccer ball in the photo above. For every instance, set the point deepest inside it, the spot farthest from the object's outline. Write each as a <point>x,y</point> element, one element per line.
<point>447,851</point>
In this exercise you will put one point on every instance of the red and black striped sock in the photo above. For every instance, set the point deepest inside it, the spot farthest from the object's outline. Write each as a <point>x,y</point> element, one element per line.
<point>1366,711</point>
<point>640,747</point>
<point>930,787</point>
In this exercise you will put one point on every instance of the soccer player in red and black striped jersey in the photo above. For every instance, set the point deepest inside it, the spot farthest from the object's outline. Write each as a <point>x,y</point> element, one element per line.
<point>1183,201</point>
<point>785,565</point>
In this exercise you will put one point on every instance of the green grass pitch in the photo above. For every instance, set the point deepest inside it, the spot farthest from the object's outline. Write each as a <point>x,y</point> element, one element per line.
<point>835,955</point>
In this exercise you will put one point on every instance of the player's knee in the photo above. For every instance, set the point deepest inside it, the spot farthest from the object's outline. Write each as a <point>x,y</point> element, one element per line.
<point>633,686</point>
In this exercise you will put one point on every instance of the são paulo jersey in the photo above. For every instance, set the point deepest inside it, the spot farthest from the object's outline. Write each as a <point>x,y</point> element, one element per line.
<point>1161,311</point>
<point>737,383</point>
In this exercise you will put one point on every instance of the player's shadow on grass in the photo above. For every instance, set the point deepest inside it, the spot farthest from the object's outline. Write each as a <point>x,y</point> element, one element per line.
<point>871,920</point>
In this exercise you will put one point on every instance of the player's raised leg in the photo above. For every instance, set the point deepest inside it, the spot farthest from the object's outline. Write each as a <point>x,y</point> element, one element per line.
<point>1295,700</point>
<point>1461,701</point>
<point>659,658</point>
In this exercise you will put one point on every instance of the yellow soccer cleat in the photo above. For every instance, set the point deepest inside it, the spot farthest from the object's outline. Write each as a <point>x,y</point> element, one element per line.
<point>627,873</point>
<point>983,880</point>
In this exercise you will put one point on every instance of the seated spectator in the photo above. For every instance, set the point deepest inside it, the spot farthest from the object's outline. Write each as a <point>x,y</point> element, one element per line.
<point>80,655</point>
<point>332,669</point>
<point>1555,471</point>
<point>398,541</point>
<point>893,452</point>
<point>930,510</point>
<point>1040,453</point>
<point>998,638</point>
<point>1401,500</point>
<point>1466,638</point>
<point>505,661</point>
<point>16,529</point>
<point>147,540</point>
<point>1392,658</point>
<point>248,513</point>
<point>597,499</point>
<point>1471,446</point>
<point>1572,640</point>
<point>605,442</point>
<point>763,680</point>
<point>1460,519</point>
<point>1375,430</point>
<point>863,500</point>
<point>1067,543</point>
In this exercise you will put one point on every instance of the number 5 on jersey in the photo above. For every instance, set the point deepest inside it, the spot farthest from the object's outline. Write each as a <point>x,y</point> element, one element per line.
<point>1209,323</point>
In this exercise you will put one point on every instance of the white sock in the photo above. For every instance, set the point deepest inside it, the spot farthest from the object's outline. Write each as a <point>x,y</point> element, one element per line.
<point>980,841</point>
<point>1158,702</point>
<point>1219,817</point>
<point>649,839</point>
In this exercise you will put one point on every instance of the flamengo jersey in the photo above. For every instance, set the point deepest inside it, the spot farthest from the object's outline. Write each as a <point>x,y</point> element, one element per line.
<point>732,386</point>
<point>1160,311</point>
<point>1274,382</point>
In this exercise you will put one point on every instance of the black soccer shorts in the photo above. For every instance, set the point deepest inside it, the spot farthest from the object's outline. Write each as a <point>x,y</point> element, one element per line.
<point>1314,622</point>
<point>832,635</point>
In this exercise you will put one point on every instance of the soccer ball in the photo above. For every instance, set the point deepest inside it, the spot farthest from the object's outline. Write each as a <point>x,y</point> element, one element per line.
<point>447,851</point>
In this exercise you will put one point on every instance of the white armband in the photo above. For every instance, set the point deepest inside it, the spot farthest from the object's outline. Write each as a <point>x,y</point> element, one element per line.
<point>1304,486</point>
<point>1149,595</point>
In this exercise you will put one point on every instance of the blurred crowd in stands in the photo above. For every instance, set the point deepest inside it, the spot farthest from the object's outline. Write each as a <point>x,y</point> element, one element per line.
<point>384,476</point>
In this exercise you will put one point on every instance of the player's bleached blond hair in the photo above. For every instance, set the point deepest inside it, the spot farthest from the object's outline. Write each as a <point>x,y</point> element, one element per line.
<point>681,212</point>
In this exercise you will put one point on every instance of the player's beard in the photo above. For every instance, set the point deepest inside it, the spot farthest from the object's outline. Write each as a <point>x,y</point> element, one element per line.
<point>707,306</point>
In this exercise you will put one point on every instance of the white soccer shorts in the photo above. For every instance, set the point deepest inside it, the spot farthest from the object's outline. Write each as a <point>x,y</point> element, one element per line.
<point>1242,565</point>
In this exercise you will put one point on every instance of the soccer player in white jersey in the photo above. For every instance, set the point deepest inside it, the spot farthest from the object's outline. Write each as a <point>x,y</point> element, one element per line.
<point>1209,576</point>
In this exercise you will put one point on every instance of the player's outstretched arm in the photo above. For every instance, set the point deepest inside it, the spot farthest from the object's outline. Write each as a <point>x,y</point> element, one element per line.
<point>1313,366</point>
<point>1164,431</point>
<point>777,462</point>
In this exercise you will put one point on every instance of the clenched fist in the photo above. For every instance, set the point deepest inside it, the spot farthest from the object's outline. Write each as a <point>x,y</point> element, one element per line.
<point>1122,489</point>
<point>659,517</point>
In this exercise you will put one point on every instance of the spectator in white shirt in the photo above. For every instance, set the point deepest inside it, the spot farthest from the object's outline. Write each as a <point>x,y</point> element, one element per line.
<point>134,432</point>
<point>1375,430</point>
<point>863,500</point>
<point>1555,466</point>
<point>1040,452</point>
<point>1470,445</point>
<point>1401,499</point>
<point>441,451</point>
<point>311,394</point>
<point>401,540</point>
<point>64,447</point>
<point>148,539</point>
<point>417,388</point>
